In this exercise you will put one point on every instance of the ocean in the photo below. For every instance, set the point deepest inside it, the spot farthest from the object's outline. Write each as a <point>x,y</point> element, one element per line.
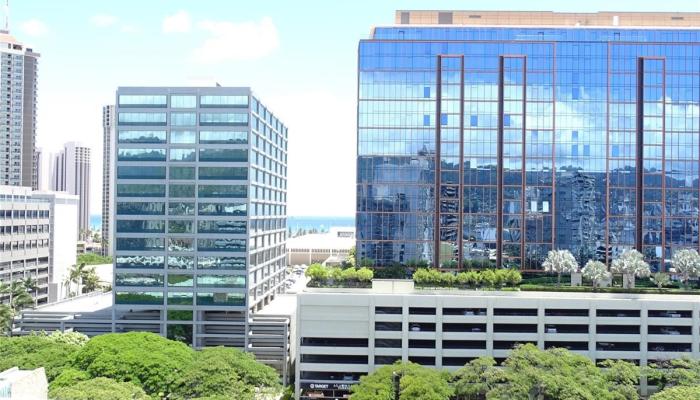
<point>295,223</point>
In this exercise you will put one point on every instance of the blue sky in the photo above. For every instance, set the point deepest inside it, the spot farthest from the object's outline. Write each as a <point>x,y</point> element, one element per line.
<point>299,56</point>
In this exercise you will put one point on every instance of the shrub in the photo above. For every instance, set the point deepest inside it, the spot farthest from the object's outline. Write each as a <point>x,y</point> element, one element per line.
<point>365,274</point>
<point>69,377</point>
<point>488,278</point>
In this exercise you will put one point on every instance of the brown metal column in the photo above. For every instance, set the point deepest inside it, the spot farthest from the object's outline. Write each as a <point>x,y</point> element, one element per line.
<point>438,140</point>
<point>499,165</point>
<point>523,185</point>
<point>460,230</point>
<point>639,159</point>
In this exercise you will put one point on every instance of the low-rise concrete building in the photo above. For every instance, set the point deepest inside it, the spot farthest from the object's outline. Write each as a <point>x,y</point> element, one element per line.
<point>346,333</point>
<point>326,247</point>
<point>16,384</point>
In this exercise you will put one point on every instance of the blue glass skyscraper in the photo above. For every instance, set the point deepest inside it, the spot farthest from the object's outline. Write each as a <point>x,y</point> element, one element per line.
<point>494,137</point>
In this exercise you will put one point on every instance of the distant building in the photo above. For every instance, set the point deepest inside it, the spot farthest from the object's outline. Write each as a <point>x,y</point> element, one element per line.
<point>328,247</point>
<point>18,117</point>
<point>108,138</point>
<point>71,174</point>
<point>16,384</point>
<point>37,233</point>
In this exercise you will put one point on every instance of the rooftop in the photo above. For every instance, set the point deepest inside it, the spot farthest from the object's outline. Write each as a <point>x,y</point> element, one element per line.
<point>407,287</point>
<point>548,18</point>
<point>82,304</point>
<point>333,239</point>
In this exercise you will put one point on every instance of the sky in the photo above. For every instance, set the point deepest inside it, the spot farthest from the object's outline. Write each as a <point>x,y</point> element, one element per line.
<point>300,58</point>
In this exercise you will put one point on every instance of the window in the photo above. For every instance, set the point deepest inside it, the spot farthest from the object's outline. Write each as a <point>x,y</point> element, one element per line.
<point>140,208</point>
<point>144,262</point>
<point>575,93</point>
<point>180,244</point>
<point>141,172</point>
<point>182,155</point>
<point>220,299</point>
<point>223,101</point>
<point>140,226</point>
<point>223,155</point>
<point>443,119</point>
<point>223,137</point>
<point>235,209</point>
<point>223,263</point>
<point>175,280</point>
<point>140,190</point>
<point>333,342</point>
<point>143,100</point>
<point>155,119</point>
<point>181,101</point>
<point>130,279</point>
<point>141,155</point>
<point>387,326</point>
<point>145,244</point>
<point>180,262</point>
<point>221,244</point>
<point>426,120</point>
<point>218,226</point>
<point>223,191</point>
<point>180,226</point>
<point>223,173</point>
<point>142,137</point>
<point>183,137</point>
<point>387,310</point>
<point>177,173</point>
<point>474,120</point>
<point>177,208</point>
<point>387,343</point>
<point>139,298</point>
<point>181,190</point>
<point>506,120</point>
<point>233,281</point>
<point>426,92</point>
<point>175,298</point>
<point>183,119</point>
<point>223,119</point>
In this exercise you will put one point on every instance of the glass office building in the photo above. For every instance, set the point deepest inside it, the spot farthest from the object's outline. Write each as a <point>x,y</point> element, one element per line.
<point>502,135</point>
<point>200,212</point>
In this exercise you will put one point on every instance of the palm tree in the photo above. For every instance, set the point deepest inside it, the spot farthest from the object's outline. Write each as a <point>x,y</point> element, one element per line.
<point>19,297</point>
<point>31,285</point>
<point>75,275</point>
<point>6,315</point>
<point>90,279</point>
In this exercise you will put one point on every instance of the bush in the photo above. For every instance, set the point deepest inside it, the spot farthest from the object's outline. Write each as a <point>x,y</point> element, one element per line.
<point>99,388</point>
<point>31,352</point>
<point>69,377</point>
<point>146,359</point>
<point>74,338</point>
<point>678,393</point>
<point>333,276</point>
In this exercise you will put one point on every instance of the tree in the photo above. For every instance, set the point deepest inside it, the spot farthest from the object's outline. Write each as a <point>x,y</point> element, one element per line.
<point>93,259</point>
<point>34,351</point>
<point>226,372</point>
<point>660,279</point>
<point>415,383</point>
<point>474,380</point>
<point>555,374</point>
<point>513,277</point>
<point>75,276</point>
<point>30,285</point>
<point>317,273</point>
<point>678,393</point>
<point>595,271</point>
<point>6,316</point>
<point>631,264</point>
<point>351,256</point>
<point>99,388</point>
<point>147,359</point>
<point>560,262</point>
<point>18,294</point>
<point>90,279</point>
<point>488,278</point>
<point>686,262</point>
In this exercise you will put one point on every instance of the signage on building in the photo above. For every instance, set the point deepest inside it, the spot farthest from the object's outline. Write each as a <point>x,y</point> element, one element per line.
<point>325,386</point>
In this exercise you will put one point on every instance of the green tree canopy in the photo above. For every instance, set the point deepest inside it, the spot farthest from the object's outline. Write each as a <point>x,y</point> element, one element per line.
<point>678,393</point>
<point>31,352</point>
<point>146,359</point>
<point>416,383</point>
<point>99,388</point>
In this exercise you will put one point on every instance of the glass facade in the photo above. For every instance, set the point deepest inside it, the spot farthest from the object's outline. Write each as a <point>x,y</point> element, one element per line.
<point>502,143</point>
<point>200,209</point>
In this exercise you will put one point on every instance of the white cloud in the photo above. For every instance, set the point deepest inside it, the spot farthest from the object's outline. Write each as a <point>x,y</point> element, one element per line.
<point>34,27</point>
<point>180,22</point>
<point>103,20</point>
<point>229,41</point>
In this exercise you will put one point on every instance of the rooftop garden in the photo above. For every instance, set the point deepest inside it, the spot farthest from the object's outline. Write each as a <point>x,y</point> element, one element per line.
<point>561,272</point>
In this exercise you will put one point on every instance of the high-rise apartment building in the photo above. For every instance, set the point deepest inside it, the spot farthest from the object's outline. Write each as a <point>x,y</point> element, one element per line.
<point>18,88</point>
<point>71,173</point>
<point>108,138</point>
<point>33,231</point>
<point>200,212</point>
<point>502,135</point>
